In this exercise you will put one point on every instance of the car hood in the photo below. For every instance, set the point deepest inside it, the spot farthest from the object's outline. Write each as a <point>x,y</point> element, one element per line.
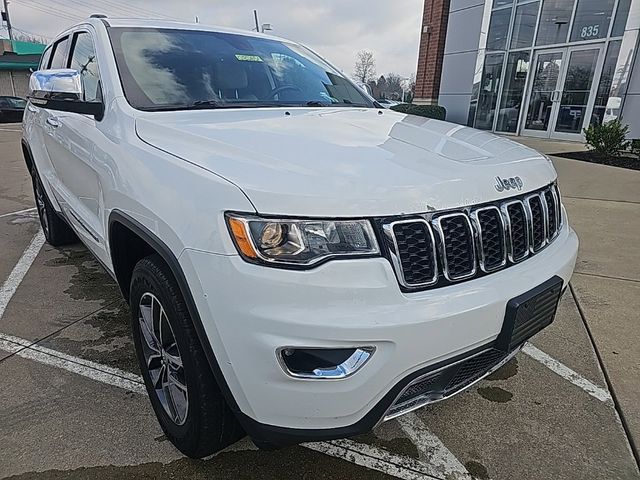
<point>345,162</point>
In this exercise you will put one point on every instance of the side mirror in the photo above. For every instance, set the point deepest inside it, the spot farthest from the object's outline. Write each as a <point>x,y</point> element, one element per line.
<point>61,89</point>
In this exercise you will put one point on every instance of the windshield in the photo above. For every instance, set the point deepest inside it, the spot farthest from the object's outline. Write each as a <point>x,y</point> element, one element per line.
<point>167,69</point>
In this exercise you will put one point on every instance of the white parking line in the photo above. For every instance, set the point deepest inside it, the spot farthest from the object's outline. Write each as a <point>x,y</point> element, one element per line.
<point>95,371</point>
<point>374,458</point>
<point>364,455</point>
<point>19,212</point>
<point>565,372</point>
<point>442,463</point>
<point>10,286</point>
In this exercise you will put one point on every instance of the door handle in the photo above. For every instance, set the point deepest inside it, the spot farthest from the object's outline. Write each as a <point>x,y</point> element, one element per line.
<point>53,121</point>
<point>32,109</point>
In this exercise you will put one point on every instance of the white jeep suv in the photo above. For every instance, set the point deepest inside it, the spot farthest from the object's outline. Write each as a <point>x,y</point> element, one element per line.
<point>300,263</point>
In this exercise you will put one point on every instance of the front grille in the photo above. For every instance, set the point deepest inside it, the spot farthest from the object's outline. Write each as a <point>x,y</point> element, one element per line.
<point>441,248</point>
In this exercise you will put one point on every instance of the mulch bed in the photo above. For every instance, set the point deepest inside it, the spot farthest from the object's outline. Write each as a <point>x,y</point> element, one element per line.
<point>624,161</point>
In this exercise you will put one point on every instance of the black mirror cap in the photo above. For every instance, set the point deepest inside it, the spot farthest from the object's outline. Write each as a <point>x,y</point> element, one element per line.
<point>72,105</point>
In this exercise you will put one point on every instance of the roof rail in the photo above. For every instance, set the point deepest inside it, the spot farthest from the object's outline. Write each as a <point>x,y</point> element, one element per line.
<point>98,15</point>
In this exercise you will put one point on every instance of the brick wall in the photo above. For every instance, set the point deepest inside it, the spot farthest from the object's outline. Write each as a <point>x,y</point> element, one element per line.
<point>432,40</point>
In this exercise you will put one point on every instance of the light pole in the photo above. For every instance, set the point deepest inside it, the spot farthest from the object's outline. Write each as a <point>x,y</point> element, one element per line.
<point>8,20</point>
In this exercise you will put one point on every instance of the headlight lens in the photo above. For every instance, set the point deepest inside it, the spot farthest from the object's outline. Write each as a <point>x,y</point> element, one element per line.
<point>300,242</point>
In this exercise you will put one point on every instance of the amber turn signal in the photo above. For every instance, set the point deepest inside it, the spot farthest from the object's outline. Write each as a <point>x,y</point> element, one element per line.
<point>241,236</point>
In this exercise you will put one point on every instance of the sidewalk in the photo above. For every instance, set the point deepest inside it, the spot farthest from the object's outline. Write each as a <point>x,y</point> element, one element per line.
<point>603,204</point>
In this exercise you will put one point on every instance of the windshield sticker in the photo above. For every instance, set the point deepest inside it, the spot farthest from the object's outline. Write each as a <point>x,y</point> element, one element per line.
<point>248,58</point>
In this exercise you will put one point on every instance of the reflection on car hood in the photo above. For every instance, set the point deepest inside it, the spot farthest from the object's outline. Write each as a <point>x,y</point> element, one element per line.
<point>345,161</point>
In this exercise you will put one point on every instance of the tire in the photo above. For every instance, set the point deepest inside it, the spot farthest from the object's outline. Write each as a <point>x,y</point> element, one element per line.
<point>55,229</point>
<point>206,424</point>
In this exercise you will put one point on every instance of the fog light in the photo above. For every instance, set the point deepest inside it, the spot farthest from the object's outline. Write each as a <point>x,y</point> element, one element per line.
<point>316,363</point>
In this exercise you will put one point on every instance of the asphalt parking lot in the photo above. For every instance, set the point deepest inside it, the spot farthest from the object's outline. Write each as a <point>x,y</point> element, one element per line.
<point>72,404</point>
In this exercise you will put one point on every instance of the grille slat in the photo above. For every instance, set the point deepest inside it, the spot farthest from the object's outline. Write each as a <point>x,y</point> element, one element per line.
<point>518,230</point>
<point>491,237</point>
<point>457,245</point>
<point>428,254</point>
<point>537,219</point>
<point>415,244</point>
<point>553,213</point>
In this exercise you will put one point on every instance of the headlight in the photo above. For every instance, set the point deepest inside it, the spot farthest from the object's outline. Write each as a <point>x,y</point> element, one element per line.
<point>300,243</point>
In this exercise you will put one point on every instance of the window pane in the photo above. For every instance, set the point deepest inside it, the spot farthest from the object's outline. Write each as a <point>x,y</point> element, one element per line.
<point>498,29</point>
<point>511,101</point>
<point>592,19</point>
<point>621,18</point>
<point>488,91</point>
<point>83,59</point>
<point>545,81</point>
<point>524,25</point>
<point>502,3</point>
<point>59,57</point>
<point>576,90</point>
<point>607,108</point>
<point>554,21</point>
<point>44,60</point>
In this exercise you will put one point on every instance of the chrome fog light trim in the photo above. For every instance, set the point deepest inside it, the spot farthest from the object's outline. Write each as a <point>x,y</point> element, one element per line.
<point>358,358</point>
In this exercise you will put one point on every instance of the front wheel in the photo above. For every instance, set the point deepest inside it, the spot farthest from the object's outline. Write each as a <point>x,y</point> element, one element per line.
<point>183,391</point>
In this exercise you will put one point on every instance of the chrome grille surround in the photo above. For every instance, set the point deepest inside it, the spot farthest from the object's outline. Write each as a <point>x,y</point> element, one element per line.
<point>482,256</point>
<point>537,221</point>
<point>508,214</point>
<point>389,230</point>
<point>447,250</point>
<point>448,233</point>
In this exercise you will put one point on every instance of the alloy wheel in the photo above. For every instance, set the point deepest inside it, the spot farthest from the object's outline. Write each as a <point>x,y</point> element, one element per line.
<point>162,358</point>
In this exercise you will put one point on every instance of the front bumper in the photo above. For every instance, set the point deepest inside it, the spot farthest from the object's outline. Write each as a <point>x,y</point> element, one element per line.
<point>249,311</point>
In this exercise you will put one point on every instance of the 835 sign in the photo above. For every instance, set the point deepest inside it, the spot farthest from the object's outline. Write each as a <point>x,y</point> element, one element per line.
<point>590,31</point>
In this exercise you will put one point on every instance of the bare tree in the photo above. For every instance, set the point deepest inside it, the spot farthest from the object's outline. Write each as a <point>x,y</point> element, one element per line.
<point>394,86</point>
<point>365,68</point>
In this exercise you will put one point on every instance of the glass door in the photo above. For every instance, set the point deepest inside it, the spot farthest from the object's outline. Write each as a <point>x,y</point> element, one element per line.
<point>544,93</point>
<point>562,92</point>
<point>578,92</point>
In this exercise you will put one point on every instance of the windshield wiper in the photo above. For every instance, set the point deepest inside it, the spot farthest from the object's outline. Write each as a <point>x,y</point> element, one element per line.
<point>315,103</point>
<point>205,104</point>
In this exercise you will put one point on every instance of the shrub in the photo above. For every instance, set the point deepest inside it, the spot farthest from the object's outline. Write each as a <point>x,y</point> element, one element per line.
<point>608,139</point>
<point>429,111</point>
<point>635,147</point>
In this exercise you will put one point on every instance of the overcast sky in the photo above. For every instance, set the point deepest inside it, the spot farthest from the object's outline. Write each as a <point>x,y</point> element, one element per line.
<point>337,29</point>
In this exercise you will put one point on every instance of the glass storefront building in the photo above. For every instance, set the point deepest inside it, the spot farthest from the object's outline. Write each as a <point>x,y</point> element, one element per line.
<point>545,68</point>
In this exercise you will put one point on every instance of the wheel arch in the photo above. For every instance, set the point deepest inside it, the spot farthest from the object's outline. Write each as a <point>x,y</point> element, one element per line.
<point>128,239</point>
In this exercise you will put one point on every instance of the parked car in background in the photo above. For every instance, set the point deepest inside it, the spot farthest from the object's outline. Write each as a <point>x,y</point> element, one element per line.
<point>12,109</point>
<point>387,103</point>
